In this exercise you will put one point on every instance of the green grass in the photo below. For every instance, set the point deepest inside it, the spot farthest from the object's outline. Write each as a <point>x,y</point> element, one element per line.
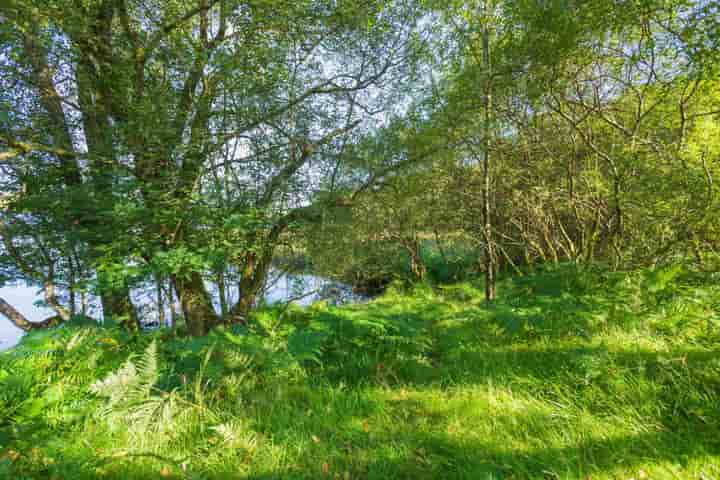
<point>577,374</point>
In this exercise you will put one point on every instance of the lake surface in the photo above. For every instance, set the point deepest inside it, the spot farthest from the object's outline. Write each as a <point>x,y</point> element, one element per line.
<point>23,299</point>
<point>300,289</point>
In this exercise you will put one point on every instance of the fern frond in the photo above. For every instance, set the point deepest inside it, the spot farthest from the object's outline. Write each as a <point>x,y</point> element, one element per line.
<point>131,384</point>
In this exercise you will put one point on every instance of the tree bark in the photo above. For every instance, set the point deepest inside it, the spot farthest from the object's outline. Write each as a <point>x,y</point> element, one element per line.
<point>42,78</point>
<point>489,248</point>
<point>196,303</point>
<point>72,287</point>
<point>117,307</point>
<point>172,299</point>
<point>252,280</point>
<point>160,300</point>
<point>416,264</point>
<point>21,322</point>
<point>222,292</point>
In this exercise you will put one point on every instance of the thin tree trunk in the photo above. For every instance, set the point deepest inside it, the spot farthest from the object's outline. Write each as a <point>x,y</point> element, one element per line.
<point>71,287</point>
<point>84,303</point>
<point>222,292</point>
<point>160,300</point>
<point>618,227</point>
<point>416,264</point>
<point>174,310</point>
<point>489,250</point>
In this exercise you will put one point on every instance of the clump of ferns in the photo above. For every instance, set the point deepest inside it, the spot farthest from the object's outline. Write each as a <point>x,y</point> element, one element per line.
<point>78,363</point>
<point>48,374</point>
<point>238,375</point>
<point>134,403</point>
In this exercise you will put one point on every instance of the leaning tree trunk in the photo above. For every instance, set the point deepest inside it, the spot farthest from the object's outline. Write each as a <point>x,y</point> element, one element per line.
<point>21,322</point>
<point>48,280</point>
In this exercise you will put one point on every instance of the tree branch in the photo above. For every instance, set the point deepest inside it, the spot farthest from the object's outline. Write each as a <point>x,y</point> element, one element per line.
<point>20,321</point>
<point>169,27</point>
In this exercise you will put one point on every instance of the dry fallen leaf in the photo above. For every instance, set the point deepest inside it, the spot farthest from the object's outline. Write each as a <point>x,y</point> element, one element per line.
<point>325,468</point>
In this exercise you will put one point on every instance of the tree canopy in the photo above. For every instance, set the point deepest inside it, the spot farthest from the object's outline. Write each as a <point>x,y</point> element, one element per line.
<point>183,144</point>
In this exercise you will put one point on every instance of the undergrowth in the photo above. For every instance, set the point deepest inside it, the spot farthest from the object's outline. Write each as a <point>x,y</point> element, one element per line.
<point>573,373</point>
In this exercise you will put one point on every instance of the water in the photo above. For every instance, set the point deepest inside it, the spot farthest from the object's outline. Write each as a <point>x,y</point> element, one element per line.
<point>23,298</point>
<point>307,289</point>
<point>281,287</point>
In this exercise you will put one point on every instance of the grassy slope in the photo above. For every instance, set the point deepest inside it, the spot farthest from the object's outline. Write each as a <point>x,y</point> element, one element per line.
<point>570,375</point>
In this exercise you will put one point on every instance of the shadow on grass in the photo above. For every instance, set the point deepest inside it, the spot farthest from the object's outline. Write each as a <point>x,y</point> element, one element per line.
<point>538,344</point>
<point>401,452</point>
<point>419,441</point>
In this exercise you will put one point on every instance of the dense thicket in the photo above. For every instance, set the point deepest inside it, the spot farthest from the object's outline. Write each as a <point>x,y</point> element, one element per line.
<point>178,146</point>
<point>581,132</point>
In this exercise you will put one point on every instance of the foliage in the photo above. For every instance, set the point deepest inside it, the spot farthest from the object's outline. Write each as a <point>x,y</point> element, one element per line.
<point>171,141</point>
<point>403,147</point>
<point>572,372</point>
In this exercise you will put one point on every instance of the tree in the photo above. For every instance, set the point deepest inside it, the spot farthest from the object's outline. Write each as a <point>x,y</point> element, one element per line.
<point>124,114</point>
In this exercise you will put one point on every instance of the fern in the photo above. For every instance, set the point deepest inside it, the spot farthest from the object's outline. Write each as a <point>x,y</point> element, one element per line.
<point>233,435</point>
<point>77,339</point>
<point>132,382</point>
<point>129,393</point>
<point>306,345</point>
<point>659,279</point>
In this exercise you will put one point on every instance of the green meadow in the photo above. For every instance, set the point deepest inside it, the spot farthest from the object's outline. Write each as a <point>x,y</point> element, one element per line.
<point>571,374</point>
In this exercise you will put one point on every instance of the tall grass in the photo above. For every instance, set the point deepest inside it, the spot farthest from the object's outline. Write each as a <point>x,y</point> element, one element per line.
<point>571,374</point>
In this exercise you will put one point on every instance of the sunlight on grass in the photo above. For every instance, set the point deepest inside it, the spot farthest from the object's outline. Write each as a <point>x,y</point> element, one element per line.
<point>571,374</point>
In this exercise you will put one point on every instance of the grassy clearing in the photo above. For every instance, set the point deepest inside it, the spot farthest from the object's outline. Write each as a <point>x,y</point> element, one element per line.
<point>571,374</point>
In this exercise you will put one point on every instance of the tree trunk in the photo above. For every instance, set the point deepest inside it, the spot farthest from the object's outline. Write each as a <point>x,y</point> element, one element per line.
<point>416,264</point>
<point>222,292</point>
<point>21,322</point>
<point>84,303</point>
<point>71,288</point>
<point>489,249</point>
<point>618,227</point>
<point>118,308</point>
<point>174,310</point>
<point>160,300</point>
<point>50,297</point>
<point>196,303</point>
<point>252,280</point>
